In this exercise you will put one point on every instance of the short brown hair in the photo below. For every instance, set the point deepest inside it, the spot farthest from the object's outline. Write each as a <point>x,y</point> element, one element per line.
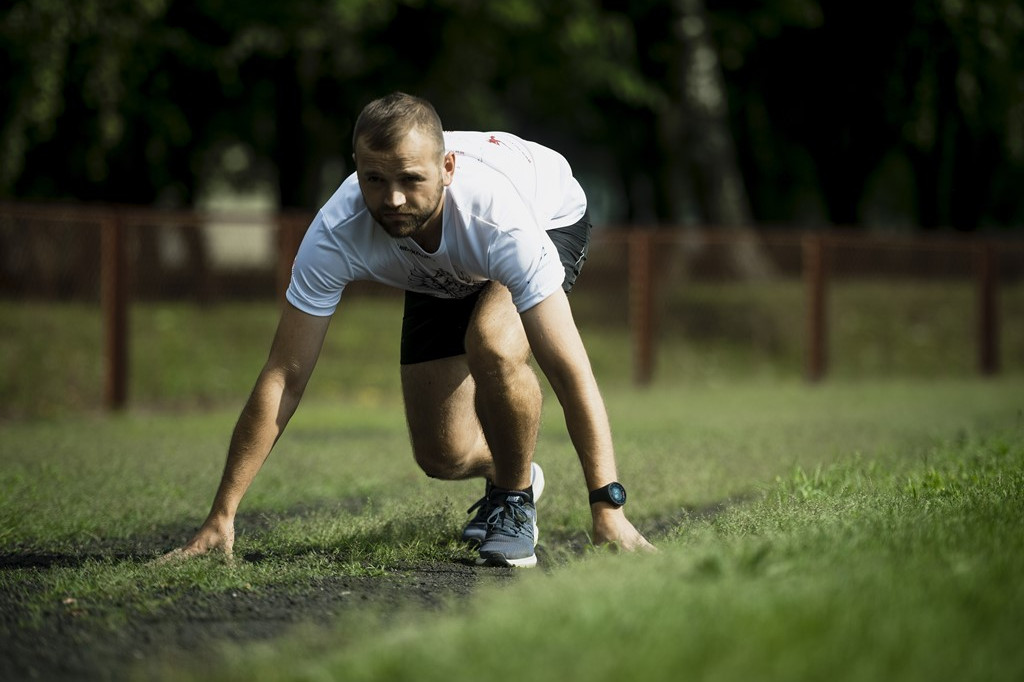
<point>385,121</point>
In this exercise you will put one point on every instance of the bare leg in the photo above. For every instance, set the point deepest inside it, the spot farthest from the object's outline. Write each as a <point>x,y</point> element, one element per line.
<point>447,440</point>
<point>508,396</point>
<point>478,414</point>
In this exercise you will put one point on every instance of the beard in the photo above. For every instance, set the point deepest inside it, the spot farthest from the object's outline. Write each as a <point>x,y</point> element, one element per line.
<point>402,224</point>
<point>406,222</point>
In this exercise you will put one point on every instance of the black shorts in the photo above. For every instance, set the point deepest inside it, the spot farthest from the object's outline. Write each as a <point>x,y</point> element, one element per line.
<point>434,328</point>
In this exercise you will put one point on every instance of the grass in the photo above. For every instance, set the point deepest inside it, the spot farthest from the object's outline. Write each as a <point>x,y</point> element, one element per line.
<point>867,525</point>
<point>857,571</point>
<point>865,528</point>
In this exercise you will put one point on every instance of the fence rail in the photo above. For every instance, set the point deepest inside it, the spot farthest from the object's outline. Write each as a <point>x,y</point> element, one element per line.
<point>818,257</point>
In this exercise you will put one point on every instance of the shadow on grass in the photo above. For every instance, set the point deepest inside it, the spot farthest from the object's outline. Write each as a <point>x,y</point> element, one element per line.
<point>557,546</point>
<point>82,641</point>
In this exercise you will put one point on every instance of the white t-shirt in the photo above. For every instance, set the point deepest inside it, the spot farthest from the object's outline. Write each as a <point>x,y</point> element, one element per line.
<point>505,194</point>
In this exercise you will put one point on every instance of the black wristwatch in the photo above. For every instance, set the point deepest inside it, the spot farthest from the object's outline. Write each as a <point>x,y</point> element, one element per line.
<point>613,493</point>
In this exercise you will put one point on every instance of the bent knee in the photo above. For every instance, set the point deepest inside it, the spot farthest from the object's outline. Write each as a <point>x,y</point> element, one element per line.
<point>492,357</point>
<point>440,465</point>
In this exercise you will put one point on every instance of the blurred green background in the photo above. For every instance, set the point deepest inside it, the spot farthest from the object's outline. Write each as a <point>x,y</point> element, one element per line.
<point>708,112</point>
<point>726,122</point>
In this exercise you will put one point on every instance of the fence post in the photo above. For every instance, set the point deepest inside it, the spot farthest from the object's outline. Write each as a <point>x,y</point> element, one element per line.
<point>289,236</point>
<point>815,323</point>
<point>114,304</point>
<point>988,310</point>
<point>641,304</point>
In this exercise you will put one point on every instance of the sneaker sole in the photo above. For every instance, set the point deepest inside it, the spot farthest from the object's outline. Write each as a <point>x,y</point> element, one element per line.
<point>501,560</point>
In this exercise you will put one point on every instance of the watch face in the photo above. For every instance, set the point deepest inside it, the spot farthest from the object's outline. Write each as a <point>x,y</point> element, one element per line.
<point>617,493</point>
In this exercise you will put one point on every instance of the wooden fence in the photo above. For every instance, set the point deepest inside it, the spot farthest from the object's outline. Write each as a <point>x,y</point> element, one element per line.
<point>644,248</point>
<point>819,259</point>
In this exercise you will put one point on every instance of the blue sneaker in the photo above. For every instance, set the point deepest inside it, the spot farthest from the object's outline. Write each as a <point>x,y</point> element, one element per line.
<point>476,530</point>
<point>511,530</point>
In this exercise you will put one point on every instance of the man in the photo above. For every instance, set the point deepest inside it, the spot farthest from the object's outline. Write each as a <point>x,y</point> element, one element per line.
<point>467,224</point>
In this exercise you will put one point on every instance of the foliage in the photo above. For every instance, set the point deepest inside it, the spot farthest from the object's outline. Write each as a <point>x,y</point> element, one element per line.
<point>829,106</point>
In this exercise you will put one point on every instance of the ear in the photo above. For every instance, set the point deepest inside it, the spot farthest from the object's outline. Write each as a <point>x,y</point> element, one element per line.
<point>448,168</point>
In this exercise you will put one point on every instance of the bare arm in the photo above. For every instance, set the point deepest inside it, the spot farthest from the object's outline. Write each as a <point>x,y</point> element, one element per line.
<point>271,405</point>
<point>556,344</point>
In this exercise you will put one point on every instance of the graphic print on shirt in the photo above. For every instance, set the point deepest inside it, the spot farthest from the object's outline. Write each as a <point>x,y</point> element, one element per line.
<point>442,282</point>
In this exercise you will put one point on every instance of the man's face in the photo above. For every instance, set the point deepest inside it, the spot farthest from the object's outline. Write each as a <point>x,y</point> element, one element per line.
<point>403,187</point>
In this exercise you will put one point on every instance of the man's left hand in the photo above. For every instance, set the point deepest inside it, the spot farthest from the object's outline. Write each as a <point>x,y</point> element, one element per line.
<point>611,527</point>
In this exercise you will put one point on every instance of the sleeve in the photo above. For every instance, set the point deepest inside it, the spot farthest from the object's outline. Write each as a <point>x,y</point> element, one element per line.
<point>526,262</point>
<point>319,273</point>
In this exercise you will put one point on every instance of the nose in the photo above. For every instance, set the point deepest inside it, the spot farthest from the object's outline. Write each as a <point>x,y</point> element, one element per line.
<point>395,198</point>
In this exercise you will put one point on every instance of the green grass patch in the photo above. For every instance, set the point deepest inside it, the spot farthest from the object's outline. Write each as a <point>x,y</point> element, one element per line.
<point>185,356</point>
<point>865,528</point>
<point>855,530</point>
<point>859,570</point>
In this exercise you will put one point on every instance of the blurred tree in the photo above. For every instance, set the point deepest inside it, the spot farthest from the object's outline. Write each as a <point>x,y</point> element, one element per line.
<point>824,91</point>
<point>697,127</point>
<point>771,90</point>
<point>106,102</point>
<point>964,114</point>
<point>136,101</point>
<point>738,112</point>
<point>568,74</point>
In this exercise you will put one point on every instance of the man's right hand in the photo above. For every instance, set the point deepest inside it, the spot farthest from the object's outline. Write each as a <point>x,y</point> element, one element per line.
<point>273,400</point>
<point>217,533</point>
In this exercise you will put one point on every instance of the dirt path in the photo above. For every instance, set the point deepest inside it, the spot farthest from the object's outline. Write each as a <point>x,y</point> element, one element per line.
<point>69,646</point>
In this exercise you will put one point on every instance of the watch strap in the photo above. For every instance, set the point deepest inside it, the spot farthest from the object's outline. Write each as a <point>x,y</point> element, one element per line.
<point>605,494</point>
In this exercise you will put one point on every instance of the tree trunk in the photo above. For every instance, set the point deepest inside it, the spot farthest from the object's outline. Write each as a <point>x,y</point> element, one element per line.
<point>697,138</point>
